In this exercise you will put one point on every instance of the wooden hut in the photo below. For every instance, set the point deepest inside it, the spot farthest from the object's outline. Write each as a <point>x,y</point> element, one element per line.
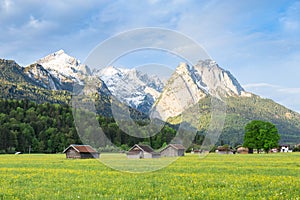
<point>224,150</point>
<point>173,150</point>
<point>242,150</point>
<point>142,151</point>
<point>81,151</point>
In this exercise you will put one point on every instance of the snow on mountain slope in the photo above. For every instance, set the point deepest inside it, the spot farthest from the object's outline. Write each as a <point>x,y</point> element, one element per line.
<point>133,87</point>
<point>187,85</point>
<point>37,73</point>
<point>65,68</point>
<point>59,71</point>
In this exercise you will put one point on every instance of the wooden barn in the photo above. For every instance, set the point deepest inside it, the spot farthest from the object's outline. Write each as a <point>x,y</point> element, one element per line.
<point>81,151</point>
<point>242,150</point>
<point>173,150</point>
<point>224,150</point>
<point>142,151</point>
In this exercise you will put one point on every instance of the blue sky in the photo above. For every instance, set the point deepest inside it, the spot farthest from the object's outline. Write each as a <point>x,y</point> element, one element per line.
<point>257,40</point>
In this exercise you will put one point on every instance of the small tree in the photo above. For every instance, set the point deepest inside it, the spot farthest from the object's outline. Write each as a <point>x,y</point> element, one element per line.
<point>261,135</point>
<point>297,148</point>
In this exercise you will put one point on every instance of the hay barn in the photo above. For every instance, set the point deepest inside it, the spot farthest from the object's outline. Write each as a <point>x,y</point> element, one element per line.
<point>242,150</point>
<point>173,150</point>
<point>81,151</point>
<point>142,151</point>
<point>224,150</point>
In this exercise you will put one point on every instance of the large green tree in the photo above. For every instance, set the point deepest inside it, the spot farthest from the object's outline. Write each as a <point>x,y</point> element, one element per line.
<point>261,135</point>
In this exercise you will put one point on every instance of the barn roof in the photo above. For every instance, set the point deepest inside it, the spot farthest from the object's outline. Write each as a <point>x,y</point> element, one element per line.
<point>175,146</point>
<point>284,145</point>
<point>81,148</point>
<point>143,147</point>
<point>223,148</point>
<point>242,149</point>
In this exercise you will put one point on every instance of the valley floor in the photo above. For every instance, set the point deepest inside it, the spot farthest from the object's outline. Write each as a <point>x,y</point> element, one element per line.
<point>265,176</point>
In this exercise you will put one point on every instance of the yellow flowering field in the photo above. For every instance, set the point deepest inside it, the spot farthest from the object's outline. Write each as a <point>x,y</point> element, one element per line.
<point>265,176</point>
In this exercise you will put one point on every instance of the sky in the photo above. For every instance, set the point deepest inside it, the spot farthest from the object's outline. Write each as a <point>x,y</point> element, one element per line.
<point>256,40</point>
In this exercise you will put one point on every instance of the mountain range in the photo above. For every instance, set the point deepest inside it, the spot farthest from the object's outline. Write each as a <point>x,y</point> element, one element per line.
<point>51,79</point>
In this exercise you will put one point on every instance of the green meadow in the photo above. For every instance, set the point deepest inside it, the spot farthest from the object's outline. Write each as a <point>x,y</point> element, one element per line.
<point>257,176</point>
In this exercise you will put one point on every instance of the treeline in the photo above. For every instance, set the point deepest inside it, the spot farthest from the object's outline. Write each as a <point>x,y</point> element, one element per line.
<point>26,126</point>
<point>49,128</point>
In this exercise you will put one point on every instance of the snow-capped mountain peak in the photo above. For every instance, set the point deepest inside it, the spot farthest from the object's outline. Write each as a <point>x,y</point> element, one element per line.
<point>57,59</point>
<point>110,71</point>
<point>65,68</point>
<point>137,89</point>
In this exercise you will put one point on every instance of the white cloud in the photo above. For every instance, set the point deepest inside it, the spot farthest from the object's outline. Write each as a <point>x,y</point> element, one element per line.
<point>290,20</point>
<point>295,91</point>
<point>255,85</point>
<point>7,4</point>
<point>36,25</point>
<point>257,41</point>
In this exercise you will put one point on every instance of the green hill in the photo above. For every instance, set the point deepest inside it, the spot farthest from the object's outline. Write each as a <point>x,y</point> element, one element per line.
<point>241,110</point>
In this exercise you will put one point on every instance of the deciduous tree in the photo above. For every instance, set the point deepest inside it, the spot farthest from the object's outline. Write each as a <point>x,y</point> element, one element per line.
<point>261,135</point>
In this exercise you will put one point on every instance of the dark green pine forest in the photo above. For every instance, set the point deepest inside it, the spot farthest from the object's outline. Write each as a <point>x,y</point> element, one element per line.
<point>49,128</point>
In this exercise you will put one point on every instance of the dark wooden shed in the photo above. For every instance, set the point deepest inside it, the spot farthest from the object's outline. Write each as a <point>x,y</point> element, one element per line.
<point>224,150</point>
<point>173,150</point>
<point>81,151</point>
<point>142,151</point>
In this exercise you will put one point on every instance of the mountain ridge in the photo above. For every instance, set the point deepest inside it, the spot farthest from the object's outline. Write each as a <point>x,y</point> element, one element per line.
<point>48,80</point>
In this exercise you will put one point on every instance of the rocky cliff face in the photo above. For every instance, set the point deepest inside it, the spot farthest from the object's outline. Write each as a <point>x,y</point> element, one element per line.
<point>212,77</point>
<point>181,91</point>
<point>189,84</point>
<point>37,73</point>
<point>11,72</point>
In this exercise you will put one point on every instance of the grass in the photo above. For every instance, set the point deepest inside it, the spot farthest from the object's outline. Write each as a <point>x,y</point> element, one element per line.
<point>273,176</point>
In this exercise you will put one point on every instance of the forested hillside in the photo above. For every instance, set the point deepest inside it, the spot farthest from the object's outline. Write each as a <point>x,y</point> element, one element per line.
<point>49,128</point>
<point>42,127</point>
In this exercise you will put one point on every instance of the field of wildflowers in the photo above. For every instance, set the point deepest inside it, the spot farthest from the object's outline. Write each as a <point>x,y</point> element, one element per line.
<point>265,176</point>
